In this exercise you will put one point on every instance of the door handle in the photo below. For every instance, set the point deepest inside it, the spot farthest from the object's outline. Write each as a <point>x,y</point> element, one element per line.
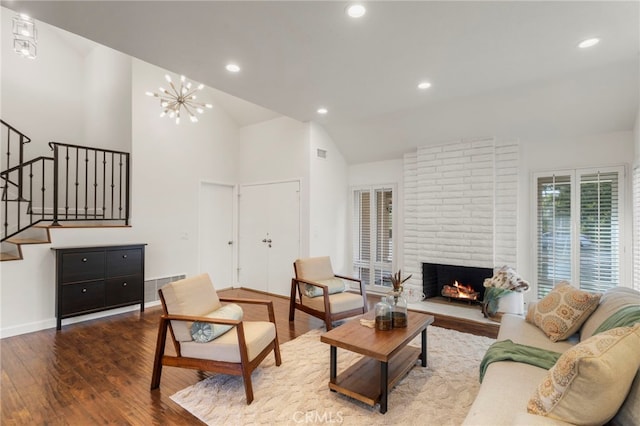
<point>229,242</point>
<point>267,240</point>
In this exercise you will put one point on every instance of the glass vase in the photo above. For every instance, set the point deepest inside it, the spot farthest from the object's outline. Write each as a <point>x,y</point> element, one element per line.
<point>398,303</point>
<point>384,319</point>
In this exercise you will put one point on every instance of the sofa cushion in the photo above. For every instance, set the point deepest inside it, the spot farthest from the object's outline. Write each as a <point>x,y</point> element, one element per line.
<point>611,302</point>
<point>203,332</point>
<point>515,328</point>
<point>339,302</point>
<point>561,312</point>
<point>336,285</point>
<point>590,381</point>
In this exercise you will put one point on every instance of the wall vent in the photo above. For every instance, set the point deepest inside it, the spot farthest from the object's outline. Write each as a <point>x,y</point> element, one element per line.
<point>151,287</point>
<point>322,153</point>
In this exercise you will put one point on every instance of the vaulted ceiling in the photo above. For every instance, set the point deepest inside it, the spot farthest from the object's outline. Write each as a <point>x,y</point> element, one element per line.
<point>507,69</point>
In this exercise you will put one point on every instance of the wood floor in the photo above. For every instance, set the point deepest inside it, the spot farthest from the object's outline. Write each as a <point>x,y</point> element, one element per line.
<point>99,372</point>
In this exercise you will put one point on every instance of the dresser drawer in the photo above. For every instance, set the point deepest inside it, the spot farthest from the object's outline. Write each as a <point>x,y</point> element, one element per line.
<point>124,262</point>
<point>80,297</point>
<point>123,290</point>
<point>81,266</point>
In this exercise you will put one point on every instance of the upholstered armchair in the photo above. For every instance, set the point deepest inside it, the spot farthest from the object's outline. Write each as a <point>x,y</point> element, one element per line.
<point>317,291</point>
<point>210,336</point>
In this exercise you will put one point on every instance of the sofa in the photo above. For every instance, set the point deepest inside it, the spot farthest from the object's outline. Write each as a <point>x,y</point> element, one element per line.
<point>508,388</point>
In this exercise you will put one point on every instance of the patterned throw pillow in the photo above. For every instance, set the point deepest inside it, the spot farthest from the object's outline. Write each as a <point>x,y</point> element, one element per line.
<point>203,332</point>
<point>590,381</point>
<point>561,312</point>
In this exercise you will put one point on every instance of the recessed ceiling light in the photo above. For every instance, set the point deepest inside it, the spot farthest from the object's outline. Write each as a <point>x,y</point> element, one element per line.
<point>424,85</point>
<point>356,10</point>
<point>322,111</point>
<point>588,43</point>
<point>232,68</point>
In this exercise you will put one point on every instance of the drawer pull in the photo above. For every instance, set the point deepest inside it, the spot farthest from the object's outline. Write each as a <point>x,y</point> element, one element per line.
<point>124,284</point>
<point>124,256</point>
<point>84,259</point>
<point>84,290</point>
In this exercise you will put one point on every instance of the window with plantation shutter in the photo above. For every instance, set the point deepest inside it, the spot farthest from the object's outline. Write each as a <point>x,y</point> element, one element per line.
<point>373,235</point>
<point>578,226</point>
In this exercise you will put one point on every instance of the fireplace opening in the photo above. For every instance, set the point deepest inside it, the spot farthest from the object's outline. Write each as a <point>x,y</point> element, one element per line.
<point>454,282</point>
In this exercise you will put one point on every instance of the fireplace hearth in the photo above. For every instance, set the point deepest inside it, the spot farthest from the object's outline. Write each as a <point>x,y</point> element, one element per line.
<point>463,283</point>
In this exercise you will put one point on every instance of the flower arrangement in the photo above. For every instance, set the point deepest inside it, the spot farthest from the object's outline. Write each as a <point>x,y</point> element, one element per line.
<point>397,281</point>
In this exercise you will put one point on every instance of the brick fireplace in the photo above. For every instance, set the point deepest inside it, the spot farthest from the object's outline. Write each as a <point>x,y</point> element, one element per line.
<point>436,275</point>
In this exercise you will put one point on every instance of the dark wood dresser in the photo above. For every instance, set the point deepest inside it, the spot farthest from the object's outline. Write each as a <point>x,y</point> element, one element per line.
<point>97,278</point>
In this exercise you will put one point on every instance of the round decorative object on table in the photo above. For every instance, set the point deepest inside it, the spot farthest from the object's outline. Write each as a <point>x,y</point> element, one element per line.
<point>384,319</point>
<point>398,303</point>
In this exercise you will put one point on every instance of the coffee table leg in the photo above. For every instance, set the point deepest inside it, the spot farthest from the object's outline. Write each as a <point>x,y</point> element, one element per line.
<point>333,370</point>
<point>384,386</point>
<point>423,355</point>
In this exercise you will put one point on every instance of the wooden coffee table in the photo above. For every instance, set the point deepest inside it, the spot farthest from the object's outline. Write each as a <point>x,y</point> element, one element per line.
<point>387,357</point>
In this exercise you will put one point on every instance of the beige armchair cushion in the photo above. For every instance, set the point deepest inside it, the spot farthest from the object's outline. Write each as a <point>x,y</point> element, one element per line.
<point>258,335</point>
<point>195,296</point>
<point>314,268</point>
<point>340,302</point>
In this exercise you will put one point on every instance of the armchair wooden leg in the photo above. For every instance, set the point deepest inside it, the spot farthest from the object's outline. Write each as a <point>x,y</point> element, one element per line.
<point>248,388</point>
<point>327,322</point>
<point>157,363</point>
<point>292,301</point>
<point>276,352</point>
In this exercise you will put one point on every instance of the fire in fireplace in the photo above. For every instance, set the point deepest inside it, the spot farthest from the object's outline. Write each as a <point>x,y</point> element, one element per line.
<point>459,291</point>
<point>454,281</point>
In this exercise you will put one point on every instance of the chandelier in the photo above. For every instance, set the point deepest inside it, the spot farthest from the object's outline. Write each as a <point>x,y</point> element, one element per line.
<point>24,36</point>
<point>174,100</point>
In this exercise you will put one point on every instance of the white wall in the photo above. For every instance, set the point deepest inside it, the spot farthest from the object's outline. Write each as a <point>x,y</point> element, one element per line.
<point>273,150</point>
<point>107,99</point>
<point>328,203</point>
<point>43,97</point>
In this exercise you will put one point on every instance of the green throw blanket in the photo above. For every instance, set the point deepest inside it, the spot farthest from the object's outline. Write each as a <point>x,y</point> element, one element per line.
<point>625,317</point>
<point>506,350</point>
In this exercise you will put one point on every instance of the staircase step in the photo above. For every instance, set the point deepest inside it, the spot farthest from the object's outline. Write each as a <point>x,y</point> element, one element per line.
<point>9,256</point>
<point>27,241</point>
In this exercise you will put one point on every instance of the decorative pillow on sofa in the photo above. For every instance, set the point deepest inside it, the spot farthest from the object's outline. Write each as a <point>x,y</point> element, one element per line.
<point>561,312</point>
<point>336,285</point>
<point>590,381</point>
<point>203,332</point>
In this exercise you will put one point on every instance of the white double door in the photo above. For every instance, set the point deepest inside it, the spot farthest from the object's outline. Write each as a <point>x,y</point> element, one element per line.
<point>269,235</point>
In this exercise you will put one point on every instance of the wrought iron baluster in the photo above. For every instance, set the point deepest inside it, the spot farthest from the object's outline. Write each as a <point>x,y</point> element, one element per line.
<point>86,183</point>
<point>55,185</point>
<point>113,162</point>
<point>104,184</point>
<point>66,185</point>
<point>76,183</point>
<point>127,206</point>
<point>120,187</point>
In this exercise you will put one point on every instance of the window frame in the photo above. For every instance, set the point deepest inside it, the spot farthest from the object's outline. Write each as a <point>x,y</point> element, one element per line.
<point>575,181</point>
<point>373,263</point>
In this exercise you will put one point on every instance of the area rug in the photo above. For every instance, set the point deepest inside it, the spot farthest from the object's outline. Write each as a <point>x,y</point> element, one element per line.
<point>297,391</point>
